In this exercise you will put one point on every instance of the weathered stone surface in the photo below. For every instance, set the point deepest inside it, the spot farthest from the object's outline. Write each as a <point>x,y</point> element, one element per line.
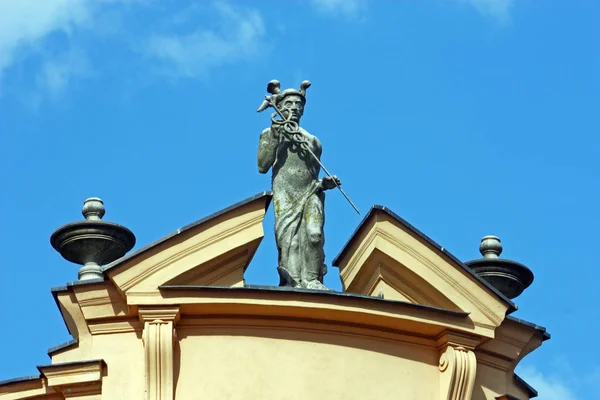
<point>298,194</point>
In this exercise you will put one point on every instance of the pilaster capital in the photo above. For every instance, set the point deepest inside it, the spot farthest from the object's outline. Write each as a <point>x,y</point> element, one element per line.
<point>457,339</point>
<point>159,314</point>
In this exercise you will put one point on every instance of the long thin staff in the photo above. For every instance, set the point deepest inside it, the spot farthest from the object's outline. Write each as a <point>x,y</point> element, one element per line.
<point>292,130</point>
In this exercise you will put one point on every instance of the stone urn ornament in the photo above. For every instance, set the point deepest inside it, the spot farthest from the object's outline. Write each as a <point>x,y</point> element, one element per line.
<point>509,277</point>
<point>93,242</point>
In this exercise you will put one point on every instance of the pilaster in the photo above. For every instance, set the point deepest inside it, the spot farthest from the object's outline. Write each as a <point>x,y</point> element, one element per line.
<point>158,337</point>
<point>457,366</point>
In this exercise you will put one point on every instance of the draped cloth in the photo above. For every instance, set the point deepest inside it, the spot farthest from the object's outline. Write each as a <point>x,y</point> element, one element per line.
<point>299,220</point>
<point>298,200</point>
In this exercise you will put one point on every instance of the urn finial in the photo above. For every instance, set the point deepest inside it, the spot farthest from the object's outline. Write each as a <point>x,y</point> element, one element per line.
<point>490,246</point>
<point>93,242</point>
<point>93,209</point>
<point>509,277</point>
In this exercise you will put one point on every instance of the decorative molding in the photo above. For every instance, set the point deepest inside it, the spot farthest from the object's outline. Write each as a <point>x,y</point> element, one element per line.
<point>360,253</point>
<point>495,361</point>
<point>108,326</point>
<point>76,380</point>
<point>303,326</point>
<point>369,244</point>
<point>165,313</point>
<point>458,366</point>
<point>158,338</point>
<point>457,339</point>
<point>375,279</point>
<point>219,237</point>
<point>26,388</point>
<point>214,270</point>
<point>471,297</point>
<point>414,293</point>
<point>484,325</point>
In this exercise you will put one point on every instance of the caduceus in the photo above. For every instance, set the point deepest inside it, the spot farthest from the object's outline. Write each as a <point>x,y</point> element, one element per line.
<point>291,128</point>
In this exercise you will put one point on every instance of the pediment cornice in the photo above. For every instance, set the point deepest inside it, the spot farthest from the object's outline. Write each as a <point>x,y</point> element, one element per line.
<point>387,254</point>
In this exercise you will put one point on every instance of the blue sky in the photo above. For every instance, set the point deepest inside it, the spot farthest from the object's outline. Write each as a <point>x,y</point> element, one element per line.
<point>465,117</point>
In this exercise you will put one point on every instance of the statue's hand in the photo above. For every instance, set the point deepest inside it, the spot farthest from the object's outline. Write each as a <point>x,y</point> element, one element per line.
<point>329,182</point>
<point>275,131</point>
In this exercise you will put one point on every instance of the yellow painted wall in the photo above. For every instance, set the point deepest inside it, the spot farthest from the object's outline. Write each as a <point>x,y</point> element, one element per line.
<point>240,364</point>
<point>124,357</point>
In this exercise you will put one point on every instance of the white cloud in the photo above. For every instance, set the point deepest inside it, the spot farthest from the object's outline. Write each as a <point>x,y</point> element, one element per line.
<point>239,35</point>
<point>548,387</point>
<point>494,8</point>
<point>348,8</point>
<point>23,23</point>
<point>45,44</point>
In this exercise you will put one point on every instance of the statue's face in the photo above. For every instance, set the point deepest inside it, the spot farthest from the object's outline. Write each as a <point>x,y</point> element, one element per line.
<point>292,106</point>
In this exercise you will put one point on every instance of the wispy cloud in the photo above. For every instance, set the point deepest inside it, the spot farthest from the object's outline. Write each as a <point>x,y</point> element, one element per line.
<point>498,9</point>
<point>346,8</point>
<point>549,387</point>
<point>45,45</point>
<point>24,23</point>
<point>238,34</point>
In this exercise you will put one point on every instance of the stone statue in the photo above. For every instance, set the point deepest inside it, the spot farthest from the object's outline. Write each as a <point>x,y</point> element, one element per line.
<point>298,193</point>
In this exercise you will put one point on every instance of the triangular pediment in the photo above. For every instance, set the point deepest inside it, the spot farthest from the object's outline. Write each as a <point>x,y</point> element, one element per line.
<point>387,257</point>
<point>214,251</point>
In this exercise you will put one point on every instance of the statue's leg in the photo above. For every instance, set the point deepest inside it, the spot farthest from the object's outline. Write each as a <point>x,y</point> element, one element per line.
<point>314,255</point>
<point>294,262</point>
<point>287,239</point>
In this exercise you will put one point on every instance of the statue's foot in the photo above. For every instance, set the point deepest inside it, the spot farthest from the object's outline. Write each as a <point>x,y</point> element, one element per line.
<point>315,285</point>
<point>285,279</point>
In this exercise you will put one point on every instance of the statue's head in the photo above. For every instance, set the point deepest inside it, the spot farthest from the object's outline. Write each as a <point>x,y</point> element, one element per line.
<point>289,101</point>
<point>292,106</point>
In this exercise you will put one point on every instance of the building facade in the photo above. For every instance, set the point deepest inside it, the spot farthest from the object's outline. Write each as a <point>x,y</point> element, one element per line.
<point>175,320</point>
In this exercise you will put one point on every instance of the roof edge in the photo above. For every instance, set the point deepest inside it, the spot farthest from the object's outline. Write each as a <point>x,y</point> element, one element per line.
<point>541,330</point>
<point>528,388</point>
<point>68,289</point>
<point>55,292</point>
<point>71,363</point>
<point>116,263</point>
<point>62,346</point>
<point>19,380</point>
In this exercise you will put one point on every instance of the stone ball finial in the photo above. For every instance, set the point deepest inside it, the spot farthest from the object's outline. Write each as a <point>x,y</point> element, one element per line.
<point>490,247</point>
<point>93,209</point>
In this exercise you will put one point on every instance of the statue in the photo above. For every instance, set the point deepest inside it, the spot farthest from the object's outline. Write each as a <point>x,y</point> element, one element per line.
<point>298,193</point>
